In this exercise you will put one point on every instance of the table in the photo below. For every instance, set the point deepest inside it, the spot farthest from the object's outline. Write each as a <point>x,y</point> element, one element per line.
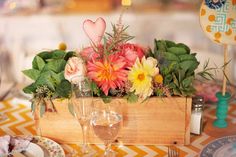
<point>20,122</point>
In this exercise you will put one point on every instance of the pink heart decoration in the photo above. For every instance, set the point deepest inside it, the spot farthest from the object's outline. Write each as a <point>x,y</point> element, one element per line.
<point>95,30</point>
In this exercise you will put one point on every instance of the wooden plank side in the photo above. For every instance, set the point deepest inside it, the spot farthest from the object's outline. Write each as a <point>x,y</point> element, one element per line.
<point>188,120</point>
<point>156,121</point>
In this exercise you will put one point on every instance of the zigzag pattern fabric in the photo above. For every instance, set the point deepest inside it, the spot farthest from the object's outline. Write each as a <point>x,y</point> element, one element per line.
<point>20,122</point>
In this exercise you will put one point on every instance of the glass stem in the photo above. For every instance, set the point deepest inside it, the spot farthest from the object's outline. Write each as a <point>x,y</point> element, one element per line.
<point>85,133</point>
<point>107,149</point>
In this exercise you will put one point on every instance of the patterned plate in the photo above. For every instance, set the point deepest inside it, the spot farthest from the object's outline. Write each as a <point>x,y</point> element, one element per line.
<point>50,148</point>
<point>222,147</point>
<point>218,20</point>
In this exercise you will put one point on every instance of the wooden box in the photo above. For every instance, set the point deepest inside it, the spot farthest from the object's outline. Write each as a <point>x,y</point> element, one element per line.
<point>156,121</point>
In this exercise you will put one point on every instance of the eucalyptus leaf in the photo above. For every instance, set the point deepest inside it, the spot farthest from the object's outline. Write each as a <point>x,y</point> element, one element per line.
<point>71,109</point>
<point>32,107</point>
<point>42,109</point>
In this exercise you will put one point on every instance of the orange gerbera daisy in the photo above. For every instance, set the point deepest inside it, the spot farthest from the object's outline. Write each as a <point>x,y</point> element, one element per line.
<point>108,73</point>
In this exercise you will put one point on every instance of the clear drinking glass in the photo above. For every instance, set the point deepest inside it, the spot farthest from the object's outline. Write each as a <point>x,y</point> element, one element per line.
<point>82,101</point>
<point>106,122</point>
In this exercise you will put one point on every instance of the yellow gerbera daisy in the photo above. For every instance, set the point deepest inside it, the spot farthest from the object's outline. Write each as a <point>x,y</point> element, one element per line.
<point>141,75</point>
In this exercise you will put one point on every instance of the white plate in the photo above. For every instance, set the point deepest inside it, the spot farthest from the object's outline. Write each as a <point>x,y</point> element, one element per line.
<point>49,147</point>
<point>222,147</point>
<point>42,147</point>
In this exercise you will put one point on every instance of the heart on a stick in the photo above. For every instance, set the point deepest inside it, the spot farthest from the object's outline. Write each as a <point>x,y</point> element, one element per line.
<point>95,30</point>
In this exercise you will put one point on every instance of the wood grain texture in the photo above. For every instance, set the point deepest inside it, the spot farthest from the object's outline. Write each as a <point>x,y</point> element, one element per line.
<point>161,121</point>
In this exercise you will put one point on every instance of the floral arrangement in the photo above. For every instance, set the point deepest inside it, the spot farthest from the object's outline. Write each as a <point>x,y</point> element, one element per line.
<point>117,67</point>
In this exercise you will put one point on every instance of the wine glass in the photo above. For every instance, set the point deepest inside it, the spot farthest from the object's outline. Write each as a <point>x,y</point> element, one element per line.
<point>106,122</point>
<point>82,102</point>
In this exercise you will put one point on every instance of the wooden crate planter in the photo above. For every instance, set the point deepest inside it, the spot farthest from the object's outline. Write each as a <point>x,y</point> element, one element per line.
<point>156,121</point>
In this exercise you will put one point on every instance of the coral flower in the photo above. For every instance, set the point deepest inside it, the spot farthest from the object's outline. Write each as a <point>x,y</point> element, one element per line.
<point>141,75</point>
<point>131,52</point>
<point>109,73</point>
<point>89,53</point>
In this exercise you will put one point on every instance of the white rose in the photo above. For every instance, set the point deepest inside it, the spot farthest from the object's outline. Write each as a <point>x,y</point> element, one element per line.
<point>75,70</point>
<point>151,63</point>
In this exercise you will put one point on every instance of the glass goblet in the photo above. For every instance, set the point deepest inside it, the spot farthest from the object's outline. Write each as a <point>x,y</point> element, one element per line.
<point>106,122</point>
<point>82,101</point>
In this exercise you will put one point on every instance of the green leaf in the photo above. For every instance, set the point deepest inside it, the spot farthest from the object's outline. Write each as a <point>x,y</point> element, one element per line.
<point>32,73</point>
<point>64,89</point>
<point>189,65</point>
<point>46,79</point>
<point>160,46</point>
<point>173,66</point>
<point>131,97</point>
<point>176,81</point>
<point>30,89</point>
<point>69,55</point>
<point>167,79</point>
<point>177,50</point>
<point>58,77</point>
<point>95,89</point>
<point>45,55</point>
<point>42,109</point>
<point>32,107</point>
<point>56,65</point>
<point>38,63</point>
<point>170,43</point>
<point>187,81</point>
<point>106,99</point>
<point>58,54</point>
<point>71,109</point>
<point>186,57</point>
<point>181,45</point>
<point>171,57</point>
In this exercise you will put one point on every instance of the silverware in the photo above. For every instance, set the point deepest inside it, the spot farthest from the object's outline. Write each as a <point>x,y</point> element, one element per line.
<point>173,151</point>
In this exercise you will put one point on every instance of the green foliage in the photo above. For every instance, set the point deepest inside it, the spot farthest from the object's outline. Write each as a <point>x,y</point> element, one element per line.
<point>131,97</point>
<point>48,75</point>
<point>177,66</point>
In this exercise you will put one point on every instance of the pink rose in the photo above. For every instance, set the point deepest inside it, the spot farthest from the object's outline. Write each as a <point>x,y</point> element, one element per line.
<point>131,52</point>
<point>89,53</point>
<point>74,67</point>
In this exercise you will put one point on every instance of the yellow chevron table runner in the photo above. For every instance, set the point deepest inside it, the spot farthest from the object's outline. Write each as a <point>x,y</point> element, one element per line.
<point>20,122</point>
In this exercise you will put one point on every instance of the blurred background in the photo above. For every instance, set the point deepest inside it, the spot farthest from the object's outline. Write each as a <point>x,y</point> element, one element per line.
<point>29,26</point>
